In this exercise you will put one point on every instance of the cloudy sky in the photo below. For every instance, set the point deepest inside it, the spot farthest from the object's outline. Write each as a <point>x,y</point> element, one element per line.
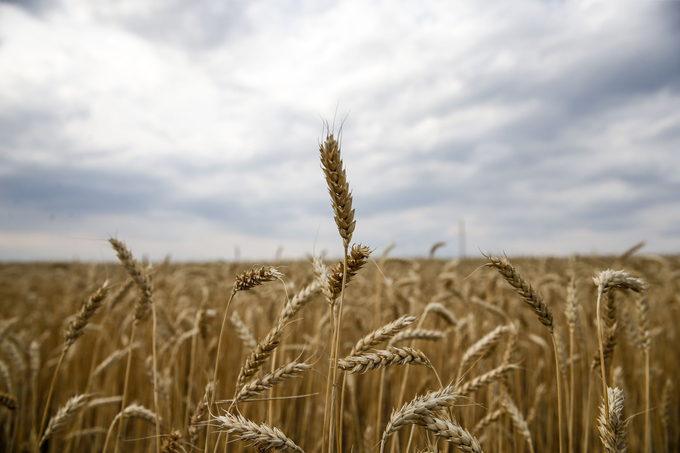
<point>191,127</point>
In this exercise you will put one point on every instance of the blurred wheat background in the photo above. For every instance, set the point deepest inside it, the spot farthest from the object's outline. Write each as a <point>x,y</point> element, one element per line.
<point>457,303</point>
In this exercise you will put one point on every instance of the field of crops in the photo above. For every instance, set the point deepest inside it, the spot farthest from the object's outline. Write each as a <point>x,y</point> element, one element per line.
<point>471,329</point>
<point>363,354</point>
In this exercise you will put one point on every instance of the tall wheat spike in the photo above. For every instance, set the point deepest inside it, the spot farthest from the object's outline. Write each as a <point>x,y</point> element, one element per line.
<point>341,201</point>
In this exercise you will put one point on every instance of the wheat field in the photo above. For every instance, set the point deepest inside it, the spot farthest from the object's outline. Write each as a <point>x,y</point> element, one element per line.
<point>494,353</point>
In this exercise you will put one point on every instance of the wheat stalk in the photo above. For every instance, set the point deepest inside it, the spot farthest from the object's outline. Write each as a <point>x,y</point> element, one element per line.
<point>243,282</point>
<point>138,274</point>
<point>643,326</point>
<point>571,312</point>
<point>143,280</point>
<point>544,313</point>
<point>73,331</point>
<point>341,201</point>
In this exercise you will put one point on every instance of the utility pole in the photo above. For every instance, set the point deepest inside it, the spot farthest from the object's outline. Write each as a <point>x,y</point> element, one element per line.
<point>461,238</point>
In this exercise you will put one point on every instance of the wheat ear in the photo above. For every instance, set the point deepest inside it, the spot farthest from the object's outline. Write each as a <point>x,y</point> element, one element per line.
<point>269,380</point>
<point>63,415</point>
<point>200,414</point>
<point>488,419</point>
<point>381,334</point>
<point>171,443</point>
<point>338,187</point>
<point>524,289</point>
<point>518,420</point>
<point>482,348</point>
<point>667,411</point>
<point>380,359</point>
<point>408,413</point>
<point>446,314</point>
<point>611,425</point>
<point>132,411</point>
<point>9,401</point>
<point>418,334</point>
<point>262,436</point>
<point>259,355</point>
<point>298,301</point>
<point>243,331</point>
<point>485,379</point>
<point>77,325</point>
<point>422,411</point>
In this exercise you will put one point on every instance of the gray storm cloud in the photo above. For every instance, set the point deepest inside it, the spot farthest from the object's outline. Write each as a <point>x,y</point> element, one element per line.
<point>192,128</point>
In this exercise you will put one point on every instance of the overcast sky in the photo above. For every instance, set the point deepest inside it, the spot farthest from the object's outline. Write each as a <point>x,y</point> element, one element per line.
<point>191,127</point>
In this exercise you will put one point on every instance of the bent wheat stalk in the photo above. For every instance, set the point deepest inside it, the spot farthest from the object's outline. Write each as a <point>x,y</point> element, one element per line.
<point>143,280</point>
<point>73,332</point>
<point>544,313</point>
<point>605,282</point>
